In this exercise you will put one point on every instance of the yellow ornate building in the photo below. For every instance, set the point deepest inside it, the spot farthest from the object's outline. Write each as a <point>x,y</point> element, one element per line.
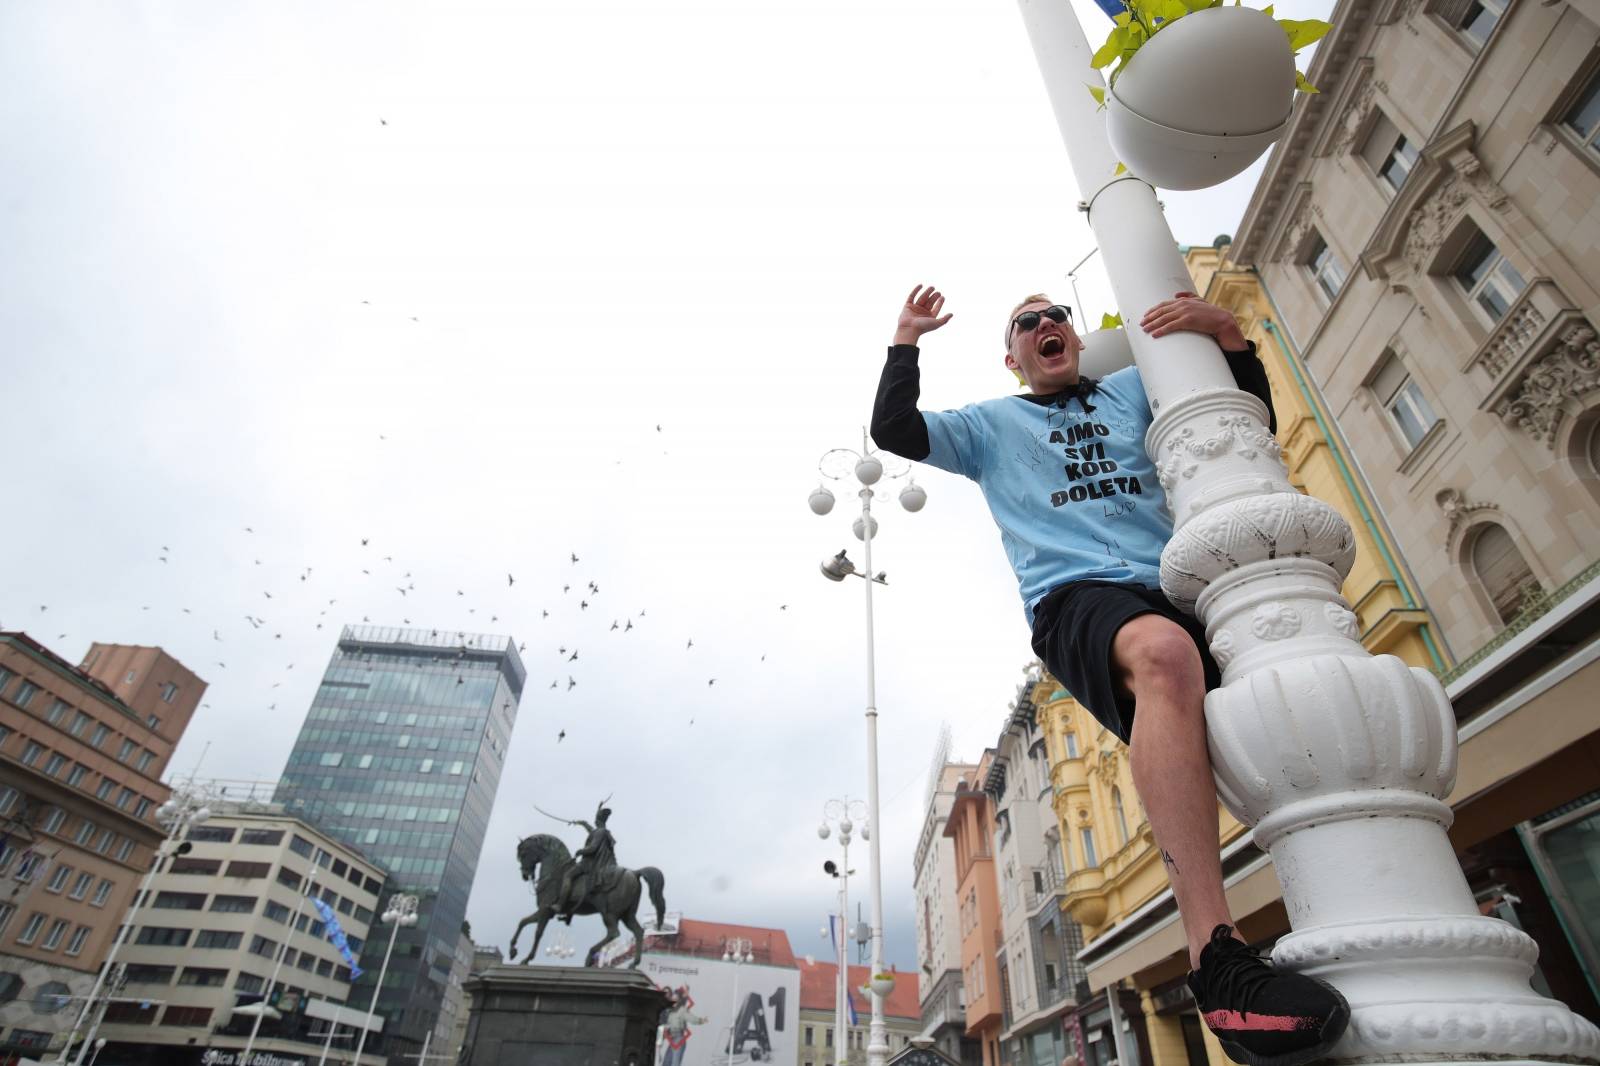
<point>1116,888</point>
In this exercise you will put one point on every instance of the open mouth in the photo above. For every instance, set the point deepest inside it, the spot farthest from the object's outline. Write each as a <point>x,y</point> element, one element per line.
<point>1052,346</point>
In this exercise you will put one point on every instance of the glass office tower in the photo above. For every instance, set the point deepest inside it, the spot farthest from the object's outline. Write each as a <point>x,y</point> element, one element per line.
<point>400,756</point>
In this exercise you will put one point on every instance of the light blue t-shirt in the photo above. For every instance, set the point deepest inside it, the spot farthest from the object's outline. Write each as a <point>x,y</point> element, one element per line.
<point>1073,492</point>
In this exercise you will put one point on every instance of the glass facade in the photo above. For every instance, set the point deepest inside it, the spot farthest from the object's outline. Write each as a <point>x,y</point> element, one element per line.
<point>400,756</point>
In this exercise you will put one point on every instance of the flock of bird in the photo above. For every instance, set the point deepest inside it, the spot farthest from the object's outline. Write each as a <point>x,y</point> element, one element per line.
<point>567,612</point>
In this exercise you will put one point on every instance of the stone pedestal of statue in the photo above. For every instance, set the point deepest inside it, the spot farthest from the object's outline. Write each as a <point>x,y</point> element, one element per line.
<point>561,1016</point>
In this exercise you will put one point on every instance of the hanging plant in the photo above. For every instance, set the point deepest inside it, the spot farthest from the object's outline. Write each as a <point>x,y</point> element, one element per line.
<point>1197,89</point>
<point>1143,19</point>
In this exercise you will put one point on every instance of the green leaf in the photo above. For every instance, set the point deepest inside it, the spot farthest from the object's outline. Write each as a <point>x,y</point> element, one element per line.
<point>1267,11</point>
<point>1167,10</point>
<point>1302,32</point>
<point>1124,18</point>
<point>1115,44</point>
<point>1099,94</point>
<point>1121,169</point>
<point>1304,86</point>
<point>1110,321</point>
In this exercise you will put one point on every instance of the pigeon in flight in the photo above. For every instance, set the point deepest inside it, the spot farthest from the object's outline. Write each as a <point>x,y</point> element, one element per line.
<point>510,581</point>
<point>574,557</point>
<point>614,625</point>
<point>573,657</point>
<point>564,589</point>
<point>713,681</point>
<point>628,626</point>
<point>571,684</point>
<point>690,644</point>
<point>544,613</point>
<point>583,605</point>
<point>561,651</point>
<point>363,542</point>
<point>561,736</point>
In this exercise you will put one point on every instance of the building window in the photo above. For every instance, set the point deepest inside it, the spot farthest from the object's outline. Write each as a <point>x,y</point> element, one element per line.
<point>169,692</point>
<point>54,764</point>
<point>300,846</point>
<point>1086,835</point>
<point>1488,278</point>
<point>102,893</point>
<point>76,775</point>
<point>1583,118</point>
<point>25,693</point>
<point>1325,268</point>
<point>216,834</point>
<point>98,737</point>
<point>1503,572</point>
<point>30,929</point>
<point>1400,396</point>
<point>138,974</point>
<point>145,759</point>
<point>248,983</point>
<point>233,904</point>
<point>80,721</point>
<point>162,936</point>
<point>80,936</point>
<point>127,749</point>
<point>1479,20</point>
<point>277,912</point>
<point>203,867</point>
<point>31,752</point>
<point>31,866</point>
<point>28,1039</point>
<point>331,758</point>
<point>58,879</point>
<point>218,938</point>
<point>52,939</point>
<point>141,808</point>
<point>180,901</point>
<point>124,798</point>
<point>80,887</point>
<point>272,837</point>
<point>124,849</point>
<point>1122,817</point>
<point>153,722</point>
<point>107,786</point>
<point>260,945</point>
<point>185,1016</point>
<point>58,710</point>
<point>53,821</point>
<point>249,869</point>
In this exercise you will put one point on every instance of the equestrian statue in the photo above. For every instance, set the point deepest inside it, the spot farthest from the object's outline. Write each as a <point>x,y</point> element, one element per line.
<point>590,882</point>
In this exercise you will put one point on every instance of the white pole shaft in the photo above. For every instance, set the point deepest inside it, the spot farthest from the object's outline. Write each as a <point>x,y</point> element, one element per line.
<point>733,1018</point>
<point>372,1006</point>
<point>839,1042</point>
<point>422,1059</point>
<point>277,967</point>
<point>111,957</point>
<point>327,1044</point>
<point>878,1034</point>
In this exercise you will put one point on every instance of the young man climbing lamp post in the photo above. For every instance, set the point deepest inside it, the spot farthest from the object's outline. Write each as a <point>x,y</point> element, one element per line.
<point>1083,518</point>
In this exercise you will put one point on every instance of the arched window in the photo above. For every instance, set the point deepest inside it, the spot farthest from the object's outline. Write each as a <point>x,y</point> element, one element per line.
<point>1122,817</point>
<point>1505,574</point>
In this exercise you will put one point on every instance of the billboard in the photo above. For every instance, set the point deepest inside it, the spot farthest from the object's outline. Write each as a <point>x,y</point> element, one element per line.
<point>757,1007</point>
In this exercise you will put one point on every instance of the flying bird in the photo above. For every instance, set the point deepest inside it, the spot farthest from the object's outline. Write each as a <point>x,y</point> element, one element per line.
<point>268,595</point>
<point>571,684</point>
<point>783,606</point>
<point>381,122</point>
<point>510,581</point>
<point>628,626</point>
<point>574,557</point>
<point>583,605</point>
<point>561,736</point>
<point>561,651</point>
<point>363,542</point>
<point>564,589</point>
<point>614,625</point>
<point>544,613</point>
<point>573,657</point>
<point>554,684</point>
<point>216,636</point>
<point>713,681</point>
<point>690,644</point>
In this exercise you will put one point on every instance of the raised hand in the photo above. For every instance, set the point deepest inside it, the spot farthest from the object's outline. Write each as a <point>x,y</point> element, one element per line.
<point>920,315</point>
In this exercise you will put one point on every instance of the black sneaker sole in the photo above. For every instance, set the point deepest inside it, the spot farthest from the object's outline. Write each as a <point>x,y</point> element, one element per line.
<point>1332,1030</point>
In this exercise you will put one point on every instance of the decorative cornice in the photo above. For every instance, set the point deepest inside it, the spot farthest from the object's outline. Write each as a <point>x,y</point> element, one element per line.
<point>1351,108</point>
<point>1351,20</point>
<point>1425,210</point>
<point>1570,368</point>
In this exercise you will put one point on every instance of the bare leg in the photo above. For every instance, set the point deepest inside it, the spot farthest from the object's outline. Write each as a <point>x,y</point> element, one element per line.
<point>1172,767</point>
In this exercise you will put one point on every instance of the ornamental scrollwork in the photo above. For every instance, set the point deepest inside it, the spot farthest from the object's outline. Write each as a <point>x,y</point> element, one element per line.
<point>1571,368</point>
<point>1237,433</point>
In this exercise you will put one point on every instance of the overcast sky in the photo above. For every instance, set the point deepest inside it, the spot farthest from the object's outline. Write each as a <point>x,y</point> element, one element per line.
<point>433,275</point>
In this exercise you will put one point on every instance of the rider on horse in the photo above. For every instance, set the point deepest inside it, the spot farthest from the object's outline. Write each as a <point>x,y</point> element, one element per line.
<point>594,868</point>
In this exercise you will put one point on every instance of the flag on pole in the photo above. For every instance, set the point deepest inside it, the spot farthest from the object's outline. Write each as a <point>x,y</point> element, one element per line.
<point>335,933</point>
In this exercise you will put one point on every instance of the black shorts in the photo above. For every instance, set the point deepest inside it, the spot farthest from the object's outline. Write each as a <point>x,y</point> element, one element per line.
<point>1073,628</point>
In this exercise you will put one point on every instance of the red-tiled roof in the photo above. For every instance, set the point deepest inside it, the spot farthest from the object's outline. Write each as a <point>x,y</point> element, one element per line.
<point>818,980</point>
<point>709,939</point>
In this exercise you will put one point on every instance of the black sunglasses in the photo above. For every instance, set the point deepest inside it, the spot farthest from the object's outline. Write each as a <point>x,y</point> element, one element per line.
<point>1028,321</point>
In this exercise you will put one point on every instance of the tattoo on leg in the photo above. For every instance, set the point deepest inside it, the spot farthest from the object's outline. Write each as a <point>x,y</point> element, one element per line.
<point>1166,857</point>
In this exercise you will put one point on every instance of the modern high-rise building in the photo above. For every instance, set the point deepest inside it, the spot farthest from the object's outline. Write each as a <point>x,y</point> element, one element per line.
<point>400,756</point>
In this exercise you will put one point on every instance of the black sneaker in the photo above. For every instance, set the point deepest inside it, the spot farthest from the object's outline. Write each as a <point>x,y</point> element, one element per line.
<point>1263,1017</point>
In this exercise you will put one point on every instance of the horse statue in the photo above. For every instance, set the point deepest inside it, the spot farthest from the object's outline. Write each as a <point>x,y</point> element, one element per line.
<point>619,903</point>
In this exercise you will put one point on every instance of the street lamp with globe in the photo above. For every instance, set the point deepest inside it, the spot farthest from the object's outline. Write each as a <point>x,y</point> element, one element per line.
<point>868,467</point>
<point>402,911</point>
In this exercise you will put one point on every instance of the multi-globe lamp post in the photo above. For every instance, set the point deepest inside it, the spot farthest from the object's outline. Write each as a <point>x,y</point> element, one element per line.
<point>868,468</point>
<point>402,911</point>
<point>189,805</point>
<point>843,815</point>
<point>736,949</point>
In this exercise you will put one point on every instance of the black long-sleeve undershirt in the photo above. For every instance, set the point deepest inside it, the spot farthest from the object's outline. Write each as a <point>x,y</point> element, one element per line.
<point>897,425</point>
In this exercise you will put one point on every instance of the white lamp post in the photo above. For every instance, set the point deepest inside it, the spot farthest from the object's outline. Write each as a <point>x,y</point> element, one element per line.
<point>839,812</point>
<point>869,469</point>
<point>735,949</point>
<point>189,805</point>
<point>1339,760</point>
<point>283,949</point>
<point>402,911</point>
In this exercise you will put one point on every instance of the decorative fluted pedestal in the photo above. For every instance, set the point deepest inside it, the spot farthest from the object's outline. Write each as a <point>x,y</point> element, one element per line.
<point>1339,760</point>
<point>561,1016</point>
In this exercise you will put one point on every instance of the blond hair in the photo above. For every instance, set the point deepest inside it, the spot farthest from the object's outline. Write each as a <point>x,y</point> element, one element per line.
<point>1036,298</point>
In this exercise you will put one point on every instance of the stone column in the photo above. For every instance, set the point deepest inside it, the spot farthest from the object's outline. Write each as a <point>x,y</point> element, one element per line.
<point>1339,760</point>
